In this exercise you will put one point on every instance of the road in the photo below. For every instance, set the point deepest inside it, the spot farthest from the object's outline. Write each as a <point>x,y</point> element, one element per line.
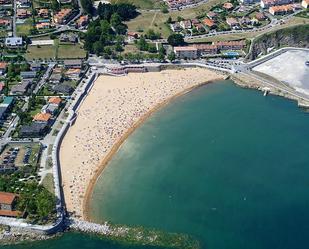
<point>14,18</point>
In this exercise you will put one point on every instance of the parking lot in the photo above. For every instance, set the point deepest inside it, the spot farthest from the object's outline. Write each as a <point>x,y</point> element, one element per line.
<point>19,154</point>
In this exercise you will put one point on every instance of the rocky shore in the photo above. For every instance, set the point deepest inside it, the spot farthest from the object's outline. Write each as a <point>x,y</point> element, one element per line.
<point>14,235</point>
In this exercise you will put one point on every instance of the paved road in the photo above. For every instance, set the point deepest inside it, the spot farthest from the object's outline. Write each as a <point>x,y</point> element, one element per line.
<point>14,18</point>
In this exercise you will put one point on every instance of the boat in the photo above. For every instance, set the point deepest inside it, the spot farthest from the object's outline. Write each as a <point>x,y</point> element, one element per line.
<point>307,63</point>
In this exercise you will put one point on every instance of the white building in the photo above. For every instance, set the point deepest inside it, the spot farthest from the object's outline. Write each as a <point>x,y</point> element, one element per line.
<point>187,52</point>
<point>13,42</point>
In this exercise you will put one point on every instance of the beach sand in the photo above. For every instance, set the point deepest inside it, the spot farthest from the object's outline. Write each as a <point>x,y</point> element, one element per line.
<point>114,107</point>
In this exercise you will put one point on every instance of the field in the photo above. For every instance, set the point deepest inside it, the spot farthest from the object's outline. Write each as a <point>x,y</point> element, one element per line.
<point>40,52</point>
<point>70,52</point>
<point>56,51</point>
<point>156,20</point>
<point>142,4</point>
<point>48,182</point>
<point>24,29</point>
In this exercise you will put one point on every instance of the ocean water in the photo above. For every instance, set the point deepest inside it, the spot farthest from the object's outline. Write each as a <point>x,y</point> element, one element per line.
<point>223,164</point>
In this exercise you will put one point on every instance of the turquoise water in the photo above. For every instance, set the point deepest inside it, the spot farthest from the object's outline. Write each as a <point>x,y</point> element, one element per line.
<point>222,163</point>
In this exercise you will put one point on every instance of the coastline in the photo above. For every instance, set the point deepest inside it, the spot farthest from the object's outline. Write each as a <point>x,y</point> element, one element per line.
<point>117,145</point>
<point>112,110</point>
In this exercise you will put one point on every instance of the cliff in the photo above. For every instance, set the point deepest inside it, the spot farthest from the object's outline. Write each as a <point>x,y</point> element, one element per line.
<point>297,36</point>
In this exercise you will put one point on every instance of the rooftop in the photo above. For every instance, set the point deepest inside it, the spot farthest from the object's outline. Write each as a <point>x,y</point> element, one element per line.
<point>43,117</point>
<point>7,198</point>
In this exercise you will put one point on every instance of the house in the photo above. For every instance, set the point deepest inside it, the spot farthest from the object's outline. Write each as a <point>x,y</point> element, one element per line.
<point>33,130</point>
<point>228,6</point>
<point>22,13</point>
<point>14,42</point>
<point>206,49</point>
<point>43,25</point>
<point>4,23</point>
<point>49,108</point>
<point>64,89</point>
<point>3,68</point>
<point>281,9</point>
<point>35,66</point>
<point>175,27</point>
<point>209,23</point>
<point>28,74</point>
<point>2,2</point>
<point>42,117</point>
<point>62,16</point>
<point>68,37</point>
<point>260,16</point>
<point>2,85</point>
<point>82,21</point>
<point>230,45</point>
<point>55,100</point>
<point>44,13</point>
<point>55,78</point>
<point>232,22</point>
<point>186,24</point>
<point>73,73</point>
<point>212,15</point>
<point>187,52</point>
<point>21,88</point>
<point>65,1</point>
<point>269,3</point>
<point>7,204</point>
<point>245,20</point>
<point>305,4</point>
<point>73,64</point>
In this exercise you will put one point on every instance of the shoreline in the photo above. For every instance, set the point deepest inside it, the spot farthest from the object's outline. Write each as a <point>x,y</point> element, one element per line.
<point>112,110</point>
<point>117,145</point>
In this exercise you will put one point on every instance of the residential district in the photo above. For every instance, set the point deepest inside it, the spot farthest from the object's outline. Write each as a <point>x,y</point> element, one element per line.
<point>50,49</point>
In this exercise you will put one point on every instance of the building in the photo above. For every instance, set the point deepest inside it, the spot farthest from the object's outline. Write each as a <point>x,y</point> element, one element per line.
<point>4,23</point>
<point>209,23</point>
<point>42,117</point>
<point>281,9</point>
<point>305,4</point>
<point>64,89</point>
<point>269,3</point>
<point>212,15</point>
<point>175,27</point>
<point>68,37</point>
<point>188,52</point>
<point>82,21</point>
<point>186,24</point>
<point>7,204</point>
<point>55,100</point>
<point>28,74</point>
<point>55,78</point>
<point>260,16</point>
<point>2,86</point>
<point>230,45</point>
<point>33,130</point>
<point>23,3</point>
<point>43,25</point>
<point>232,22</point>
<point>228,6</point>
<point>35,66</point>
<point>3,68</point>
<point>73,73</point>
<point>44,13</point>
<point>22,88</point>
<point>14,42</point>
<point>50,108</point>
<point>73,64</point>
<point>5,107</point>
<point>206,49</point>
<point>62,16</point>
<point>22,13</point>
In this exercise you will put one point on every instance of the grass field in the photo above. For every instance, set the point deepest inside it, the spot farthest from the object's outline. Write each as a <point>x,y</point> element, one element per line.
<point>142,4</point>
<point>48,182</point>
<point>24,29</point>
<point>292,22</point>
<point>42,52</point>
<point>70,52</point>
<point>156,20</point>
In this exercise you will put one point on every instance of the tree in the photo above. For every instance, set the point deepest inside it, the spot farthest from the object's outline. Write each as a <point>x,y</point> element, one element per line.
<point>98,47</point>
<point>164,9</point>
<point>55,6</point>
<point>171,56</point>
<point>115,20</point>
<point>150,34</point>
<point>142,44</point>
<point>169,20</point>
<point>175,40</point>
<point>87,6</point>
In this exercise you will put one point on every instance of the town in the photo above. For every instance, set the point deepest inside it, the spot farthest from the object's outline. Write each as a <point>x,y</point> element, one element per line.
<point>51,50</point>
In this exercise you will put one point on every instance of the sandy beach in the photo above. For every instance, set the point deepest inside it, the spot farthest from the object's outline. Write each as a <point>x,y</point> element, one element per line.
<point>114,107</point>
